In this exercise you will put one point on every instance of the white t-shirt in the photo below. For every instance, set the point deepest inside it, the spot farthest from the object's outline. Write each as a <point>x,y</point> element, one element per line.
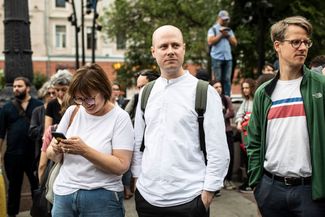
<point>111,131</point>
<point>171,169</point>
<point>287,141</point>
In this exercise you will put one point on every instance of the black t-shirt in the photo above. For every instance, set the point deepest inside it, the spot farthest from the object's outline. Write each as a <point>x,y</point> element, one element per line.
<point>53,110</point>
<point>16,126</point>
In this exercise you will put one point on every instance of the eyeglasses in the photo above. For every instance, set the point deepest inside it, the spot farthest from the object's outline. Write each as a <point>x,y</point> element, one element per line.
<point>296,43</point>
<point>51,93</point>
<point>87,100</point>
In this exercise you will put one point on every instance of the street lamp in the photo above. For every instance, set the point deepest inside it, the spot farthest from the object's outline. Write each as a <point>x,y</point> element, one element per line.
<point>74,21</point>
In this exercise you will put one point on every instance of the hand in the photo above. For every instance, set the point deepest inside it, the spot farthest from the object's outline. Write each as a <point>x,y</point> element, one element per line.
<point>239,127</point>
<point>207,198</point>
<point>73,145</point>
<point>56,146</point>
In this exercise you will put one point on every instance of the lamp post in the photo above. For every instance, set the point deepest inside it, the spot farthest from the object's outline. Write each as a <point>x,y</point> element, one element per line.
<point>83,33</point>
<point>18,53</point>
<point>93,32</point>
<point>74,21</point>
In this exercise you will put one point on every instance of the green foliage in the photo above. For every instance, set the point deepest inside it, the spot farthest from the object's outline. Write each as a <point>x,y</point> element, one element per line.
<point>138,20</point>
<point>2,79</point>
<point>250,20</point>
<point>39,80</point>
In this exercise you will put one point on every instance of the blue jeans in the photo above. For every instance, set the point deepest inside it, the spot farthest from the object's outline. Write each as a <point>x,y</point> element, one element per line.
<point>85,203</point>
<point>274,198</point>
<point>222,72</point>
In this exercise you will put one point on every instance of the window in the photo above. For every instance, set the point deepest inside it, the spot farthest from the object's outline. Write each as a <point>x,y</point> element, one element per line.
<point>89,39</point>
<point>120,41</point>
<point>60,3</point>
<point>60,37</point>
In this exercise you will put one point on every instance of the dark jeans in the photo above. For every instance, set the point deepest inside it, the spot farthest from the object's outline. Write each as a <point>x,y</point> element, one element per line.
<point>15,166</point>
<point>274,198</point>
<point>194,208</point>
<point>222,70</point>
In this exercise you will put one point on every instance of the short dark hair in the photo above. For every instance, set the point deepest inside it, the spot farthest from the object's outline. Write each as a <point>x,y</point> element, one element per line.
<point>317,61</point>
<point>24,79</point>
<point>202,74</point>
<point>150,74</point>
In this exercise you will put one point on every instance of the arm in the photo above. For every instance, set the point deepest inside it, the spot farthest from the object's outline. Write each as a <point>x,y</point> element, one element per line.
<point>232,40</point>
<point>216,146</point>
<point>35,126</point>
<point>139,125</point>
<point>54,151</point>
<point>42,165</point>
<point>48,122</point>
<point>230,113</point>
<point>254,146</point>
<point>117,162</point>
<point>214,39</point>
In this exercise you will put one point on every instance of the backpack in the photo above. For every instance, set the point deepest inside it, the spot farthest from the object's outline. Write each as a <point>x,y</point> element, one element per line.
<point>200,107</point>
<point>210,46</point>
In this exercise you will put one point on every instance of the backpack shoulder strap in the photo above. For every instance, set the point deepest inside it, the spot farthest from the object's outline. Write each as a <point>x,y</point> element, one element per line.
<point>144,100</point>
<point>145,94</point>
<point>200,107</point>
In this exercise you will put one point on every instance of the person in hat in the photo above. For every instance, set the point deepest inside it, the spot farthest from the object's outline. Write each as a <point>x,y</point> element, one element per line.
<point>221,38</point>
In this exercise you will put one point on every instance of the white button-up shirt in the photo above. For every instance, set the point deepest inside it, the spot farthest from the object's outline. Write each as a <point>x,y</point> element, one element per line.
<point>171,170</point>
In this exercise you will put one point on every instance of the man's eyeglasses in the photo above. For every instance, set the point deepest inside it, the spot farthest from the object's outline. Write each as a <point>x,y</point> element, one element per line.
<point>87,100</point>
<point>296,43</point>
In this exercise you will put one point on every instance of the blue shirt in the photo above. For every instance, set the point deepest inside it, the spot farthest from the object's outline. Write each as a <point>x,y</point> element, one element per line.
<point>222,49</point>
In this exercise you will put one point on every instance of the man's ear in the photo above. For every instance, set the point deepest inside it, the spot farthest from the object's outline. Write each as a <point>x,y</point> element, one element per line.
<point>276,45</point>
<point>152,51</point>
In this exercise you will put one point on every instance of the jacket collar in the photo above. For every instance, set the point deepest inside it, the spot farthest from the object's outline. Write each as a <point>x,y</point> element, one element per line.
<point>269,88</point>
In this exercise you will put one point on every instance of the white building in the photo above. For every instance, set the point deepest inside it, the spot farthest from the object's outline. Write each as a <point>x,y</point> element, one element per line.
<point>53,37</point>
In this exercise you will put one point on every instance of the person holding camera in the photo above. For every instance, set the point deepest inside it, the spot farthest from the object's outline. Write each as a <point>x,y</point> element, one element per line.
<point>221,38</point>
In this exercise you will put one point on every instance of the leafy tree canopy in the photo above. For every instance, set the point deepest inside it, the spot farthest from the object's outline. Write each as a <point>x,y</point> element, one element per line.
<point>250,20</point>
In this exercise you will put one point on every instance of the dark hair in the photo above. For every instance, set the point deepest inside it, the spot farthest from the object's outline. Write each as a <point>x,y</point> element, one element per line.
<point>202,74</point>
<point>24,79</point>
<point>252,86</point>
<point>268,64</point>
<point>150,74</point>
<point>91,77</point>
<point>223,97</point>
<point>317,61</point>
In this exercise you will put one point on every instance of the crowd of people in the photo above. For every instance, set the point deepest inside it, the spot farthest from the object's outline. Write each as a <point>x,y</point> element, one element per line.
<point>160,147</point>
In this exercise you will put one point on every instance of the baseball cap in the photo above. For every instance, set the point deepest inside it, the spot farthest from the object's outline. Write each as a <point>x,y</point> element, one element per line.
<point>224,15</point>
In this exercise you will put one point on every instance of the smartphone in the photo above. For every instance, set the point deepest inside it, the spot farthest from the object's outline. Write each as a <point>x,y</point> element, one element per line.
<point>58,135</point>
<point>223,28</point>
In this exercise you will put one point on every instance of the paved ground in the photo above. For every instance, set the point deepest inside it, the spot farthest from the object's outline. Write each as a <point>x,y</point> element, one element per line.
<point>229,204</point>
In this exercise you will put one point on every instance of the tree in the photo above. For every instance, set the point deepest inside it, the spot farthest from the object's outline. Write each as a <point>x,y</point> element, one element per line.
<point>251,21</point>
<point>138,19</point>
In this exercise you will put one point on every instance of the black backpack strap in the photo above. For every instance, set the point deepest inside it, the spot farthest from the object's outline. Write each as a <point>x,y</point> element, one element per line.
<point>200,107</point>
<point>144,100</point>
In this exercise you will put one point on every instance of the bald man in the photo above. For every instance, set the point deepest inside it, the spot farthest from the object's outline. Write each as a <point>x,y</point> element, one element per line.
<point>173,179</point>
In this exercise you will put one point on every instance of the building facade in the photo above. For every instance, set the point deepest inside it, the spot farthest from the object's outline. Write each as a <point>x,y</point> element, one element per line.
<point>53,37</point>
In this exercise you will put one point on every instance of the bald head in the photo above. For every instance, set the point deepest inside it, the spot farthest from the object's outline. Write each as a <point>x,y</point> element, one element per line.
<point>166,29</point>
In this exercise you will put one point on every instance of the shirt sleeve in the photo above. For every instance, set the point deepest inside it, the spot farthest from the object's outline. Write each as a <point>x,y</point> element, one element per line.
<point>216,143</point>
<point>139,130</point>
<point>123,136</point>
